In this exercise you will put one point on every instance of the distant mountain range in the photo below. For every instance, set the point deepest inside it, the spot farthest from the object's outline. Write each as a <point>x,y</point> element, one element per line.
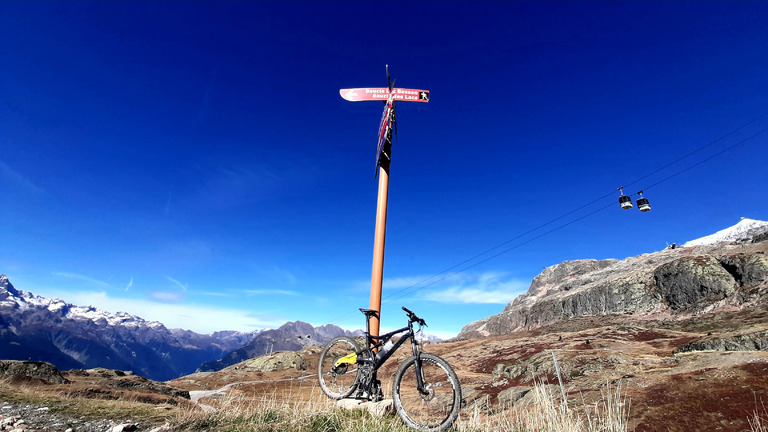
<point>82,337</point>
<point>76,337</point>
<point>291,336</point>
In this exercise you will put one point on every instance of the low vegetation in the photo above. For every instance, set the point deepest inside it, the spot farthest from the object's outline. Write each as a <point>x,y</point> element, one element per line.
<point>543,412</point>
<point>280,411</point>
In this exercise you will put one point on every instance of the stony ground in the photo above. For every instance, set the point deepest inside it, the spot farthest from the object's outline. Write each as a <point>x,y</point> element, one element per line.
<point>25,417</point>
<point>96,400</point>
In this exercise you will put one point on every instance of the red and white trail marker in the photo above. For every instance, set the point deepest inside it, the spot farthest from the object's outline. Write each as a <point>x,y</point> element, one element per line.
<point>382,94</point>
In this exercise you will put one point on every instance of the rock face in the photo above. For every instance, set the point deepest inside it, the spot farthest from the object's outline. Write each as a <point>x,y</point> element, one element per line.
<point>30,370</point>
<point>691,281</point>
<point>277,361</point>
<point>754,341</point>
<point>673,283</point>
<point>78,337</point>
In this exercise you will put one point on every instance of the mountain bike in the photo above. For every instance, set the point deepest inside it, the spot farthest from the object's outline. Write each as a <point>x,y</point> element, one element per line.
<point>425,390</point>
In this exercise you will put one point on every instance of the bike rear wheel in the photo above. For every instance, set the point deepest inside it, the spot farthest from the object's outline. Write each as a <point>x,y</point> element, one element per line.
<point>337,382</point>
<point>436,410</point>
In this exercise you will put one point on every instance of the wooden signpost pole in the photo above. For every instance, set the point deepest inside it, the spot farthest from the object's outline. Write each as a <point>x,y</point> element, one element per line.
<point>377,274</point>
<point>389,95</point>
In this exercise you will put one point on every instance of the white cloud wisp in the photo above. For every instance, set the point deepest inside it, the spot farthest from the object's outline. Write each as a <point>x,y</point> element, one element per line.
<point>485,288</point>
<point>201,319</point>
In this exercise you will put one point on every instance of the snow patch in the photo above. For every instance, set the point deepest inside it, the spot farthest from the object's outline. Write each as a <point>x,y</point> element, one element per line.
<point>743,230</point>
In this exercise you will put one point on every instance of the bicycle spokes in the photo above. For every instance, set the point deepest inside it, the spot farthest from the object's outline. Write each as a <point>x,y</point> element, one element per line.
<point>436,405</point>
<point>335,370</point>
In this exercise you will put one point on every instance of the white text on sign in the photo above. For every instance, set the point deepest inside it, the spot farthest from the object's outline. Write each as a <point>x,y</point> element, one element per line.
<point>397,96</point>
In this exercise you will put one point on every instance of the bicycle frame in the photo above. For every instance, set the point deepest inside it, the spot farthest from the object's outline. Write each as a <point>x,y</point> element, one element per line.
<point>374,342</point>
<point>347,369</point>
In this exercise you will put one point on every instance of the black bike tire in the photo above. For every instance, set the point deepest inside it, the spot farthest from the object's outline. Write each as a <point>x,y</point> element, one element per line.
<point>320,373</point>
<point>453,414</point>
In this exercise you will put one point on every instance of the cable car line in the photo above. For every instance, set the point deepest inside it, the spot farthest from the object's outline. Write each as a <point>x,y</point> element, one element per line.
<point>495,255</point>
<point>646,206</point>
<point>418,285</point>
<point>709,158</point>
<point>738,129</point>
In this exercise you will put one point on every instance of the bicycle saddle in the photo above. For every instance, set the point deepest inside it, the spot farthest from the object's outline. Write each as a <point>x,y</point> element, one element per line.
<point>370,312</point>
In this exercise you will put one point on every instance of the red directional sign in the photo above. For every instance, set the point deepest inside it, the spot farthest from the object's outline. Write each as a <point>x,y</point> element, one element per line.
<point>382,94</point>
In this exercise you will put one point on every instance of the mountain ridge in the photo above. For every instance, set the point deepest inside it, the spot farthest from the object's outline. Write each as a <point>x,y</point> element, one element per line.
<point>71,337</point>
<point>725,270</point>
<point>291,336</point>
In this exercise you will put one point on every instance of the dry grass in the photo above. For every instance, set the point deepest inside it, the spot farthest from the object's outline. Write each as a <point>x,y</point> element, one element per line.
<point>278,412</point>
<point>545,411</point>
<point>60,400</point>
<point>759,421</point>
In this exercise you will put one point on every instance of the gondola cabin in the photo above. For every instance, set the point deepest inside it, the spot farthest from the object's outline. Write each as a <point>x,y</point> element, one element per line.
<point>642,203</point>
<point>626,202</point>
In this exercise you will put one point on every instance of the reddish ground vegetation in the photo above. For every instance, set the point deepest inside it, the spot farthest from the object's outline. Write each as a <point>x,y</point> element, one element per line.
<point>699,401</point>
<point>645,335</point>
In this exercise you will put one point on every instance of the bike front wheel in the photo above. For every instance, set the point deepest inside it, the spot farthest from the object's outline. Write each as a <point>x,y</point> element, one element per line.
<point>435,408</point>
<point>337,381</point>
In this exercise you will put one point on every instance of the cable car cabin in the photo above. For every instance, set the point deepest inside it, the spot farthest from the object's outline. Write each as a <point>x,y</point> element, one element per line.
<point>643,204</point>
<point>626,202</point>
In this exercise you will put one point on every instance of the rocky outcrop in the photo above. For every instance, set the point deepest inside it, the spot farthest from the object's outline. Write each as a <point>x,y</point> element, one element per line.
<point>754,341</point>
<point>747,270</point>
<point>510,396</point>
<point>276,361</point>
<point>135,382</point>
<point>16,370</point>
<point>693,281</point>
<point>673,283</point>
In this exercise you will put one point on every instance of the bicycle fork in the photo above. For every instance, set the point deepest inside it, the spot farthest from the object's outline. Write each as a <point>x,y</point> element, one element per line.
<point>417,366</point>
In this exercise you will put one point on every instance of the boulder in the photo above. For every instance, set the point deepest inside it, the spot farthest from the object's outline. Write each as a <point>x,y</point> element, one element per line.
<point>31,370</point>
<point>692,282</point>
<point>277,361</point>
<point>510,396</point>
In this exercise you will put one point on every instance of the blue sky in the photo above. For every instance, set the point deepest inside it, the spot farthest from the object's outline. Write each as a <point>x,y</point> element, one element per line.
<point>193,163</point>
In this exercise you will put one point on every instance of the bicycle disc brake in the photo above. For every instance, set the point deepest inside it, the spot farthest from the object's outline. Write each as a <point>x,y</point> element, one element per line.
<point>429,392</point>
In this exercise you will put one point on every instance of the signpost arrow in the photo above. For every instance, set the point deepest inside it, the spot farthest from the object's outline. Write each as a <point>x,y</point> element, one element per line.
<point>383,93</point>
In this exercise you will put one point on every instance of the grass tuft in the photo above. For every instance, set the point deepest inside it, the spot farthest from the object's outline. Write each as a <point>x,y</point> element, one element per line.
<point>758,422</point>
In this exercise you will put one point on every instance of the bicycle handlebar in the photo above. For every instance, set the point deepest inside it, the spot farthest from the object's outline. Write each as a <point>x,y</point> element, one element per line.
<point>413,317</point>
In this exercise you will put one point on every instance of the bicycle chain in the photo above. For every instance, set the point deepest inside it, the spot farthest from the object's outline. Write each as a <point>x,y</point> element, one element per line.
<point>368,386</point>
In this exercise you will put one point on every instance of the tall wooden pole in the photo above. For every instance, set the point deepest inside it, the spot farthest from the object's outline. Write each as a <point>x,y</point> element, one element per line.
<point>377,275</point>
<point>388,95</point>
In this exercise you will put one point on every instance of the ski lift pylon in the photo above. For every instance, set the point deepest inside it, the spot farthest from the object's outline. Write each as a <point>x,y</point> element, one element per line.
<point>624,201</point>
<point>642,203</point>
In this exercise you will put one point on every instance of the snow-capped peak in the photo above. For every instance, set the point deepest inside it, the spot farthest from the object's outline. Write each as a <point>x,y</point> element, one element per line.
<point>743,230</point>
<point>25,300</point>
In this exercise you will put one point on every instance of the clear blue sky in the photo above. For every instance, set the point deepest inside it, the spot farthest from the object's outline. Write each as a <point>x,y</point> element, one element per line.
<point>192,162</point>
